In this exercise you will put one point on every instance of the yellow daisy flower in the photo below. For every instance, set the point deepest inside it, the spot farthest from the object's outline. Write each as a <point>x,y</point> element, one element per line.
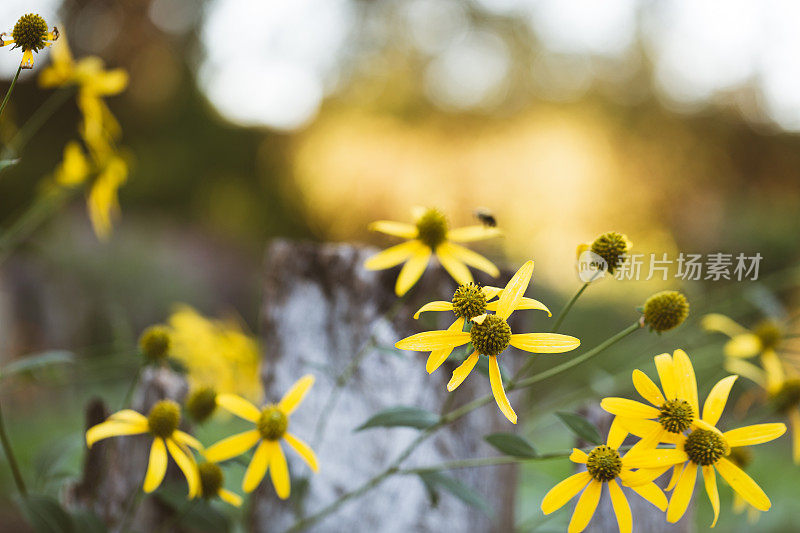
<point>211,484</point>
<point>162,423</point>
<point>469,301</point>
<point>490,335</point>
<point>29,33</point>
<point>429,235</point>
<point>741,457</point>
<point>605,465</point>
<point>271,425</point>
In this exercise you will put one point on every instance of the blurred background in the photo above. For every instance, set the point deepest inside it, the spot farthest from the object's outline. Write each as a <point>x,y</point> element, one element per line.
<point>675,122</point>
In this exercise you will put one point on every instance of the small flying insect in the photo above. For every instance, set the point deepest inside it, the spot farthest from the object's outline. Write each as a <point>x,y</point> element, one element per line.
<point>486,217</point>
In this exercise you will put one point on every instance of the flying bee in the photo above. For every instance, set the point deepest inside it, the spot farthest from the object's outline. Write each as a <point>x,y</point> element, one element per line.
<point>486,217</point>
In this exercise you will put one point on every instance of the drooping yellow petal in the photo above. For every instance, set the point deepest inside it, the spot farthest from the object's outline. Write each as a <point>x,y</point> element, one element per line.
<point>641,428</point>
<point>616,433</point>
<point>584,509</point>
<point>514,290</point>
<point>461,373</point>
<point>544,342</point>
<point>499,393</point>
<point>188,440</point>
<point>188,466</point>
<point>666,374</point>
<point>230,497</point>
<point>746,369</point>
<point>294,396</point>
<point>717,398</point>
<point>392,256</point>
<point>239,406</point>
<point>578,456</point>
<point>469,257</point>
<point>112,428</point>
<point>710,479</point>
<point>130,416</point>
<point>278,471</point>
<point>774,370</point>
<point>232,446</point>
<point>412,270</point>
<point>74,167</point>
<point>257,468</point>
<point>454,266</point>
<point>524,304</point>
<point>472,233</point>
<point>437,357</point>
<point>676,475</point>
<point>559,495</point>
<point>794,420</point>
<point>621,507</point>
<point>629,408</point>
<point>652,493</point>
<point>755,434</point>
<point>722,324</point>
<point>647,389</point>
<point>303,449</point>
<point>156,466</point>
<point>27,59</point>
<point>744,345</point>
<point>743,484</point>
<point>683,493</point>
<point>397,229</point>
<point>434,306</point>
<point>685,379</point>
<point>433,340</point>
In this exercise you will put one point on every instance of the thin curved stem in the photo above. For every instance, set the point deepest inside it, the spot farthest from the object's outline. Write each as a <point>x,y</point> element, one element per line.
<point>12,460</point>
<point>37,121</point>
<point>565,310</point>
<point>31,219</point>
<point>10,90</point>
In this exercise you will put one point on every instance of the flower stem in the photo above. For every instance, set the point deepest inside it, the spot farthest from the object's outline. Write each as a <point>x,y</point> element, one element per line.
<point>31,219</point>
<point>565,310</point>
<point>12,460</point>
<point>129,394</point>
<point>10,90</point>
<point>36,121</point>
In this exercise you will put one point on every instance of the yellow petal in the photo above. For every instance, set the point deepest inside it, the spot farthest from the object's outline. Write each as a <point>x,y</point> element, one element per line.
<point>454,266</point>
<point>461,373</point>
<point>584,509</point>
<point>239,406</point>
<point>524,304</point>
<point>257,468</point>
<point>666,374</point>
<point>232,446</point>
<point>490,292</point>
<point>188,466</point>
<point>746,369</point>
<point>621,507</point>
<point>27,59</point>
<point>647,389</point>
<point>156,466</point>
<point>676,475</point>
<point>130,416</point>
<point>717,398</point>
<point>648,442</point>
<point>580,249</point>
<point>794,419</point>
<point>472,233</point>
<point>773,368</point>
<point>629,408</point>
<point>641,428</point>
<point>755,434</point>
<point>278,470</point>
<point>433,340</point>
<point>188,440</point>
<point>744,345</point>
<point>654,458</point>
<point>469,257</point>
<point>514,290</point>
<point>113,428</point>
<point>434,306</point>
<point>682,494</point>
<point>230,497</point>
<point>397,229</point>
<point>559,495</point>
<point>292,399</point>
<point>616,433</point>
<point>412,270</point>
<point>642,476</point>
<point>303,449</point>
<point>544,342</point>
<point>743,484</point>
<point>74,168</point>
<point>578,456</point>
<point>437,357</point>
<point>392,256</point>
<point>710,479</point>
<point>108,83</point>
<point>652,493</point>
<point>499,393</point>
<point>685,379</point>
<point>722,324</point>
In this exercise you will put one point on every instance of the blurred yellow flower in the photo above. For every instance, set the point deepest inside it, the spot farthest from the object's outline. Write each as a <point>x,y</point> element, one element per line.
<point>102,201</point>
<point>429,235</point>
<point>29,33</point>
<point>211,481</point>
<point>216,353</point>
<point>271,426</point>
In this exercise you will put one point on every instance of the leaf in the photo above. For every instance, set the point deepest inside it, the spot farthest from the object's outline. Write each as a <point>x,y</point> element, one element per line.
<point>456,488</point>
<point>511,444</point>
<point>30,363</point>
<point>581,427</point>
<point>45,514</point>
<point>198,514</point>
<point>401,416</point>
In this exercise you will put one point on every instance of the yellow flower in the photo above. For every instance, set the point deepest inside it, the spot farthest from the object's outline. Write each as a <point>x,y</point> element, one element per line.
<point>741,457</point>
<point>162,423</point>
<point>271,426</point>
<point>74,168</point>
<point>490,335</point>
<point>29,33</point>
<point>612,247</point>
<point>605,465</point>
<point>211,481</point>
<point>102,202</point>
<point>429,235</point>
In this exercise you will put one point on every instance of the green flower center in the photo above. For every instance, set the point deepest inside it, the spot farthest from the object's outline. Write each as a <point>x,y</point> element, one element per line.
<point>432,228</point>
<point>155,343</point>
<point>666,310</point>
<point>201,403</point>
<point>676,416</point>
<point>604,463</point>
<point>490,337</point>
<point>769,333</point>
<point>273,423</point>
<point>164,418</point>
<point>211,479</point>
<point>469,301</point>
<point>29,32</point>
<point>612,247</point>
<point>787,397</point>
<point>705,447</point>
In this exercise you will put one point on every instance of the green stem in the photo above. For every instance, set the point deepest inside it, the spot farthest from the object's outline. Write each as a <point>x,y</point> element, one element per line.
<point>10,90</point>
<point>565,310</point>
<point>12,460</point>
<point>127,399</point>
<point>37,121</point>
<point>31,219</point>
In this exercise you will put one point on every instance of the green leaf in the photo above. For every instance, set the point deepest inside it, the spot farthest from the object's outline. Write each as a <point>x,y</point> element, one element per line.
<point>45,514</point>
<point>30,363</point>
<point>455,487</point>
<point>401,416</point>
<point>511,444</point>
<point>581,427</point>
<point>6,163</point>
<point>197,514</point>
